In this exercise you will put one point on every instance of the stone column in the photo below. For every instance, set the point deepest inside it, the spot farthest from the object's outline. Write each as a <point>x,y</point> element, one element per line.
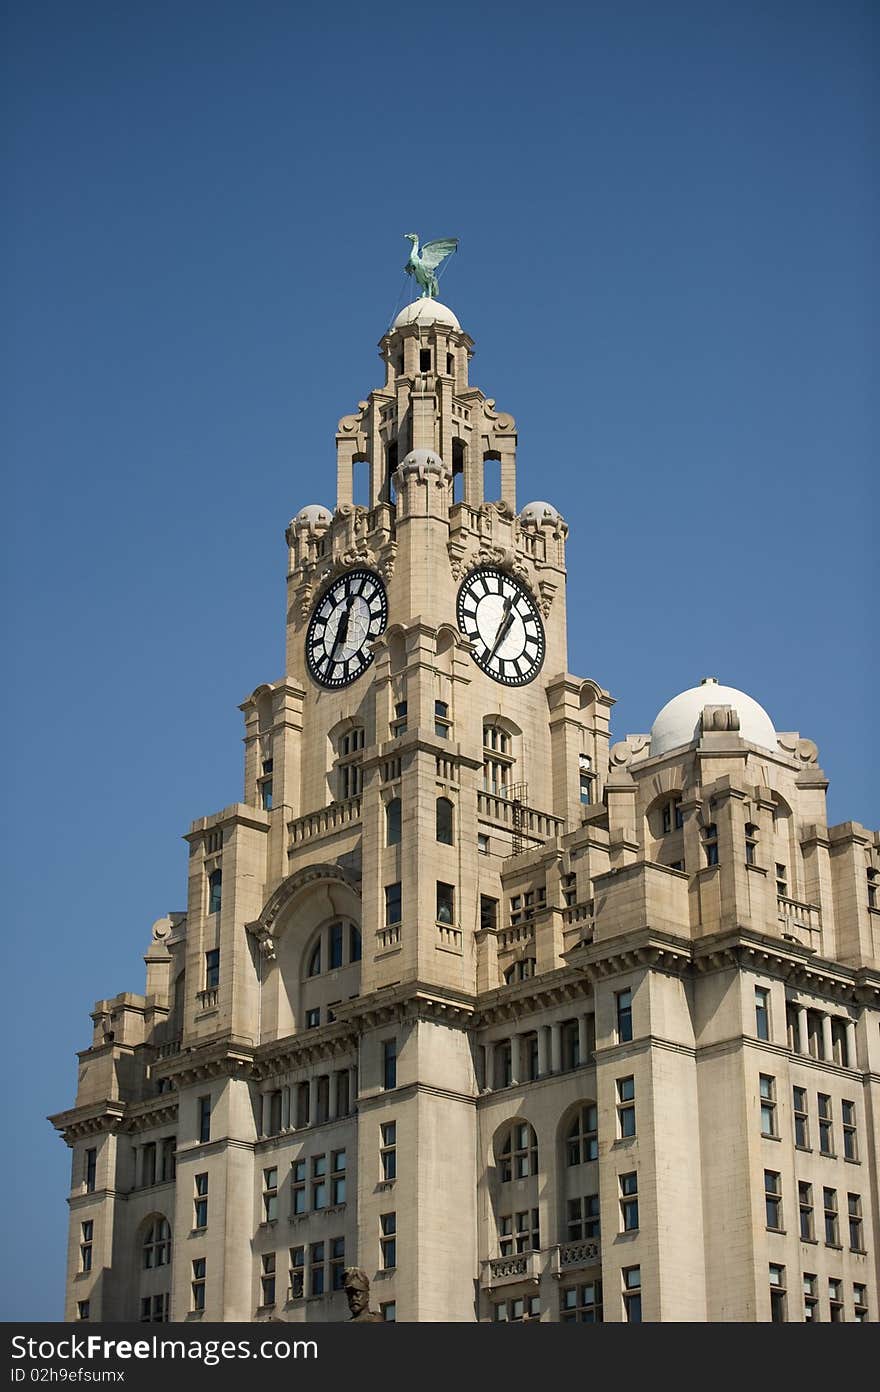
<point>265,1114</point>
<point>514,1058</point>
<point>542,1051</point>
<point>285,1109</point>
<point>556,1048</point>
<point>827,1042</point>
<point>313,1101</point>
<point>851,1055</point>
<point>583,1041</point>
<point>803,1036</point>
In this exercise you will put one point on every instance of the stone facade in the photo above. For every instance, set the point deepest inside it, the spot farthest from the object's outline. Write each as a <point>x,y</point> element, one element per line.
<point>522,1023</point>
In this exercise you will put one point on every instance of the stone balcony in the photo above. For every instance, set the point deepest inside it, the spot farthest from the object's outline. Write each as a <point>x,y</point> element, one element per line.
<point>527,824</point>
<point>527,1268</point>
<point>324,821</point>
<point>800,922</point>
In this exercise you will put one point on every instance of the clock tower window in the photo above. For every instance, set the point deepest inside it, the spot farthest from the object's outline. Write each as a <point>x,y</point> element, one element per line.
<point>497,760</point>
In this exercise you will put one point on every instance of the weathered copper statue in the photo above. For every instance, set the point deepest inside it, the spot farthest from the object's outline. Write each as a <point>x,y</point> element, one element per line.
<point>357,1287</point>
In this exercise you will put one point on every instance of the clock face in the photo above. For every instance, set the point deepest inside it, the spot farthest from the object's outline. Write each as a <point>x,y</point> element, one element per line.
<point>501,619</point>
<point>347,620</point>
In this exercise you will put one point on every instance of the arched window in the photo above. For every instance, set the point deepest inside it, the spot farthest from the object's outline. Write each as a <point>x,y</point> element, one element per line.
<point>518,1155</point>
<point>497,759</point>
<point>157,1244</point>
<point>354,943</point>
<point>458,456</point>
<point>314,967</point>
<point>444,815</point>
<point>582,1136</point>
<point>392,822</point>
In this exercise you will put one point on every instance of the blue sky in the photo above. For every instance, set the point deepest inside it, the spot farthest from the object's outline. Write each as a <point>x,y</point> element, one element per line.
<point>665,213</point>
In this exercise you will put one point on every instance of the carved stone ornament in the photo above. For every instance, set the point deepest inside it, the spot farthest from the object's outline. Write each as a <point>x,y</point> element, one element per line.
<point>721,718</point>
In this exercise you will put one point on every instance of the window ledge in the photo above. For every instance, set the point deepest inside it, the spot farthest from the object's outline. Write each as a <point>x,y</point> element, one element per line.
<point>859,1251</point>
<point>766,1136</point>
<point>835,1246</point>
<point>851,1160</point>
<point>780,1232</point>
<point>385,1184</point>
<point>269,1223</point>
<point>804,1149</point>
<point>813,1241</point>
<point>197,1232</point>
<point>195,1314</point>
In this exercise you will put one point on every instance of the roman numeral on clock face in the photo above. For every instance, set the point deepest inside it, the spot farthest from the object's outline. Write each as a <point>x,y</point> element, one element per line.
<point>497,613</point>
<point>345,622</point>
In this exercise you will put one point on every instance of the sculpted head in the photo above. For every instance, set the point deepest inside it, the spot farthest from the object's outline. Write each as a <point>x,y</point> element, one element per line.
<point>357,1288</point>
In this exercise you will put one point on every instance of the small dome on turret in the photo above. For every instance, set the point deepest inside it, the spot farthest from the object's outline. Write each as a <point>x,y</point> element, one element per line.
<point>422,462</point>
<point>312,516</point>
<point>540,513</point>
<point>682,720</point>
<point>426,311</point>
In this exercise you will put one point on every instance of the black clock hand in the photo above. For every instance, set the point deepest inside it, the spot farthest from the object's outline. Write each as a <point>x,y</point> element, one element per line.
<point>342,630</point>
<point>504,627</point>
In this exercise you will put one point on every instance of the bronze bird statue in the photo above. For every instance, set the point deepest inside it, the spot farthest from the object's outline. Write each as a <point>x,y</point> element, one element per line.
<point>422,265</point>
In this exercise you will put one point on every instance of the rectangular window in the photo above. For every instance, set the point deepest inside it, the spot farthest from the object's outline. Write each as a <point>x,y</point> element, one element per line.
<point>581,1304</point>
<point>773,1199</point>
<point>632,1294</point>
<point>860,1303</point>
<point>337,1263</point>
<point>270,1194</point>
<point>398,724</point>
<point>393,904</point>
<point>319,1182</point>
<point>148,1164</point>
<point>850,1142</point>
<point>762,1012</point>
<point>388,1311</point>
<point>343,1101</point>
<point>298,1187</point>
<point>626,1107</point>
<point>266,794</point>
<point>389,1063</point>
<point>337,1177</point>
<point>569,890</point>
<point>445,902</point>
<point>767,1086</point>
<point>200,1202</point>
<point>204,1118</point>
<point>388,1240</point>
<point>519,1232</point>
<point>267,1279</point>
<point>313,1017</point>
<point>751,843</point>
<point>829,1201</point>
<point>388,1150</point>
<point>811,1298</point>
<point>91,1169</point>
<point>482,843</point>
<point>710,843</point>
<point>488,913</point>
<point>781,881</point>
<point>856,1235</point>
<point>778,1294</point>
<point>212,968</point>
<point>82,1309</point>
<point>297,1273</point>
<point>805,1207</point>
<point>215,891</point>
<point>199,1268</point>
<point>629,1202</point>
<point>826,1125</point>
<point>316,1268</point>
<point>835,1300</point>
<point>623,1006</point>
<point>85,1246</point>
<point>582,1218</point>
<point>801,1119</point>
<point>441,719</point>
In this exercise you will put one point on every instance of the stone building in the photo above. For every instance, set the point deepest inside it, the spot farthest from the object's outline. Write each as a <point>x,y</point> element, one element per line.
<point>525,1023</point>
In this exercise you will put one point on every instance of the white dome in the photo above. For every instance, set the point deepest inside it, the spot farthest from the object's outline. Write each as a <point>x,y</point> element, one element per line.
<point>426,311</point>
<point>679,721</point>
<point>539,512</point>
<point>314,515</point>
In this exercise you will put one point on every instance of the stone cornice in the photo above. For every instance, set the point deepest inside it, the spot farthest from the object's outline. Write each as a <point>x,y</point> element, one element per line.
<point>77,1122</point>
<point>743,947</point>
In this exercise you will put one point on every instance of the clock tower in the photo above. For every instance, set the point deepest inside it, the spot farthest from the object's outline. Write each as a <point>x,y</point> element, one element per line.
<point>502,1021</point>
